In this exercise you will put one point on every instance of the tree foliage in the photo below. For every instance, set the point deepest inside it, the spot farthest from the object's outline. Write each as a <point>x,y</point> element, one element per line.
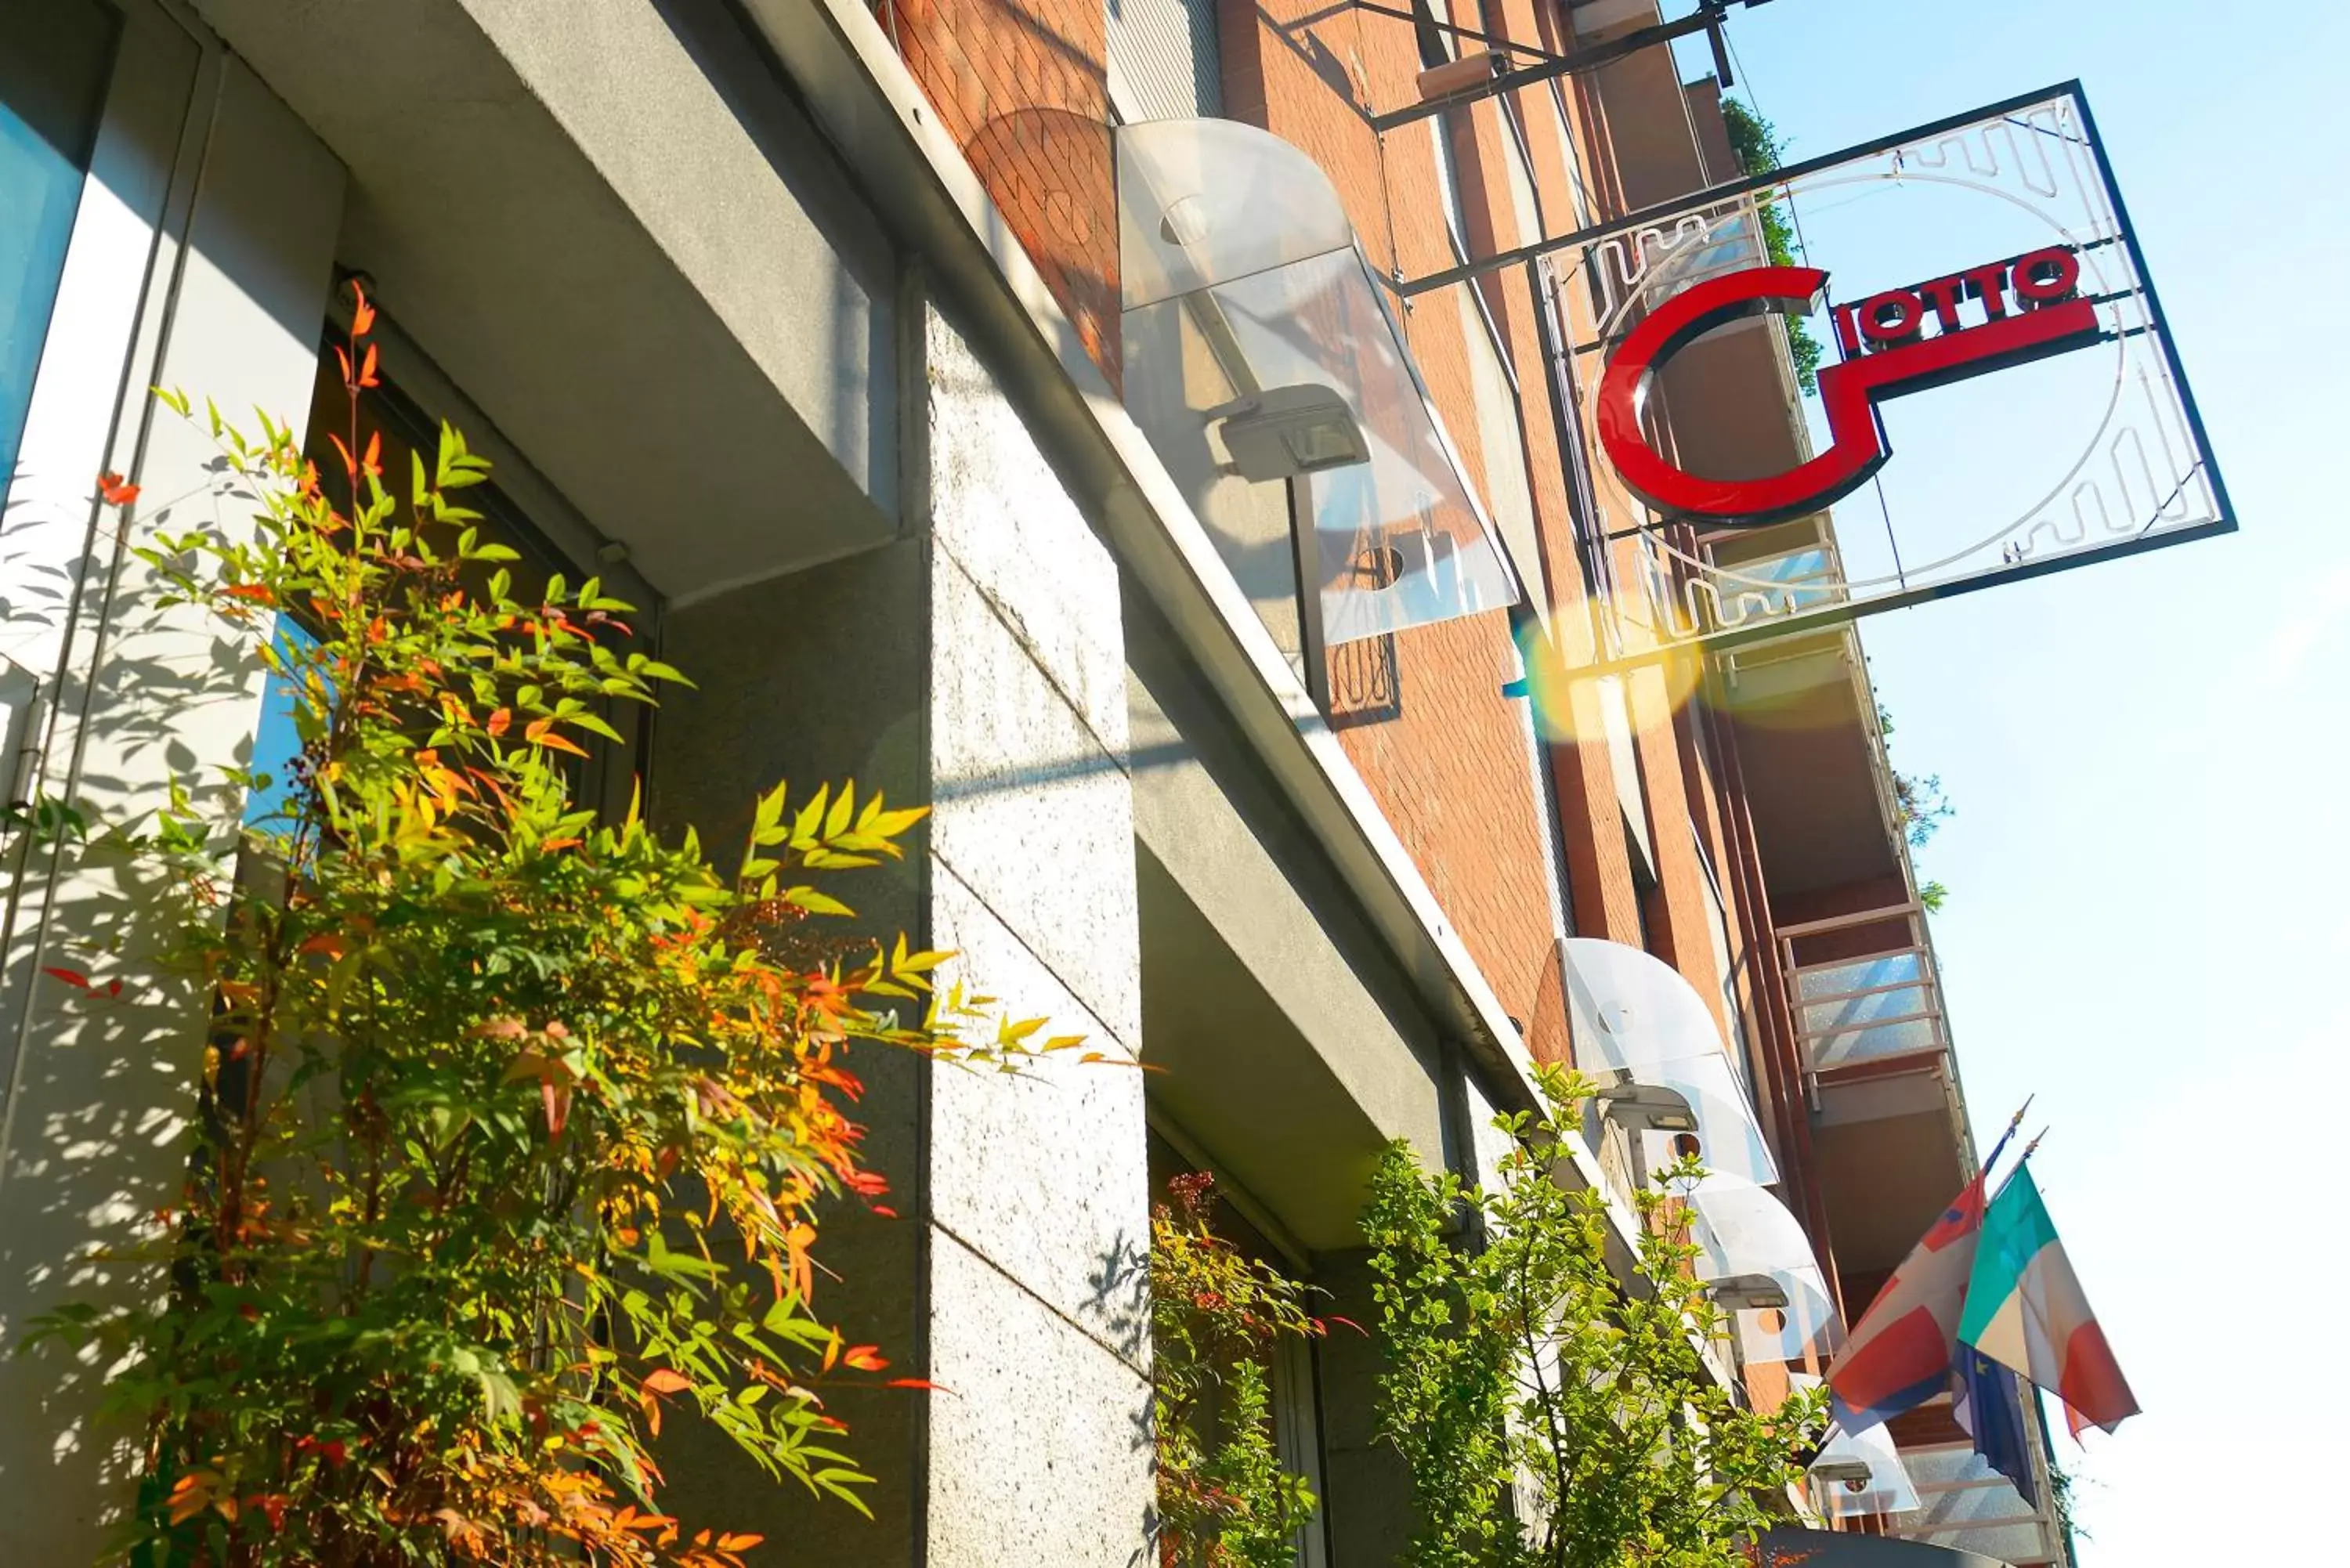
<point>1755,143</point>
<point>1521,1370</point>
<point>515,1124</point>
<point>1216,1318</point>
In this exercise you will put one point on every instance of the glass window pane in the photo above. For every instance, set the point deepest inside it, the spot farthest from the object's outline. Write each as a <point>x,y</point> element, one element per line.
<point>1875,1007</point>
<point>1918,1035</point>
<point>1862,974</point>
<point>54,61</point>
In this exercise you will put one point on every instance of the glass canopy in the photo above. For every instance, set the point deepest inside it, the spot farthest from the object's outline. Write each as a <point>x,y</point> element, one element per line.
<point>1744,1232</point>
<point>1843,1491</point>
<point>1633,1014</point>
<point>1259,351</point>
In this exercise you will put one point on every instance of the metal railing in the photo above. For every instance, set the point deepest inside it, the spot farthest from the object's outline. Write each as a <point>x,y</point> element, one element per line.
<point>1869,1003</point>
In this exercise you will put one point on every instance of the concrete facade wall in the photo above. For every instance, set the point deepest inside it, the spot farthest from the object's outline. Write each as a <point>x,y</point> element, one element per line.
<point>978,665</point>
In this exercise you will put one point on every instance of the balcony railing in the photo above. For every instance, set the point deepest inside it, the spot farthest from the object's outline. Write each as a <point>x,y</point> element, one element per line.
<point>1864,992</point>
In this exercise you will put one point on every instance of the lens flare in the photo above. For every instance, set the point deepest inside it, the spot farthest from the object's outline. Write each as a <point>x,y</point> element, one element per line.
<point>1581,694</point>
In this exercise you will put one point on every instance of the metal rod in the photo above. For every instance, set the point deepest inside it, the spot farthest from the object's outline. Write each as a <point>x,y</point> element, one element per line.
<point>1458,32</point>
<point>1705,21</point>
<point>1731,190</point>
<point>1835,615</point>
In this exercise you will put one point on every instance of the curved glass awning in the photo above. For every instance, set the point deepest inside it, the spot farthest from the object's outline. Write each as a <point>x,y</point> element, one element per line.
<point>1635,1015</point>
<point>1259,350</point>
<point>1745,1234</point>
<point>1861,1473</point>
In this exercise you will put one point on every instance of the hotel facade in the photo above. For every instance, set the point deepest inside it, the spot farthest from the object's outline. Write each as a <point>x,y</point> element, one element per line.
<point>1026,406</point>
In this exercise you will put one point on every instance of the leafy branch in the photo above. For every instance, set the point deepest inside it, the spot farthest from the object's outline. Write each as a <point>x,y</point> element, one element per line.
<point>1756,144</point>
<point>1216,1317</point>
<point>517,1123</point>
<point>1521,1368</point>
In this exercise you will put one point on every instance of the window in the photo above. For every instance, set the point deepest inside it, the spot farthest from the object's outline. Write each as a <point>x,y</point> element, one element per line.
<point>1237,1218</point>
<point>1164,60</point>
<point>602,780</point>
<point>1728,959</point>
<point>55,59</point>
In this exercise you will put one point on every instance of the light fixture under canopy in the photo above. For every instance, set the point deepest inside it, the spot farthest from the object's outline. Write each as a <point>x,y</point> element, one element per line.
<point>1748,1241</point>
<point>1636,1017</point>
<point>1259,352</point>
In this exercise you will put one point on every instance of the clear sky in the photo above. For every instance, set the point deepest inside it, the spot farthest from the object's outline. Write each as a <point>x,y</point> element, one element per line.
<point>2147,924</point>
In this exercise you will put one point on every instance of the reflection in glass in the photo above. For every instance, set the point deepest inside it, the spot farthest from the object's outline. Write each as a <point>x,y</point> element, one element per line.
<point>54,63</point>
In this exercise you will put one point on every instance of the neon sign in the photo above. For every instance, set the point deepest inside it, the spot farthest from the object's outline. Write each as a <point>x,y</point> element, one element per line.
<point>1986,318</point>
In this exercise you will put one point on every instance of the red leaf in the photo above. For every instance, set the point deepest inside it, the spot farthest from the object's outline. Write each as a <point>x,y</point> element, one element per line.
<point>922,1382</point>
<point>499,720</point>
<point>557,1099</point>
<point>666,1380</point>
<point>70,976</point>
<point>114,492</point>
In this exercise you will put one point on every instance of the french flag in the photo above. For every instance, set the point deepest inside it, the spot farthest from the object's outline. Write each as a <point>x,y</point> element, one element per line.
<point>1900,1354</point>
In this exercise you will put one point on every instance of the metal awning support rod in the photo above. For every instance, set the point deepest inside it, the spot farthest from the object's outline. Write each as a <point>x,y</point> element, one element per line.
<point>1456,31</point>
<point>1706,19</point>
<point>1728,192</point>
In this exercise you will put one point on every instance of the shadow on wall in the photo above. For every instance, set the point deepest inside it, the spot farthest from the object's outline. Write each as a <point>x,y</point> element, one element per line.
<point>1052,174</point>
<point>99,1061</point>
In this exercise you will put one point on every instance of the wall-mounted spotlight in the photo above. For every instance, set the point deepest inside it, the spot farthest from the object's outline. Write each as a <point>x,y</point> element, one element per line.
<point>1637,1105</point>
<point>1283,431</point>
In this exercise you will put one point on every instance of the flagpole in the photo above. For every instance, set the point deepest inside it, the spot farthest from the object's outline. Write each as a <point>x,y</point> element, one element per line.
<point>2028,1151</point>
<point>2013,1122</point>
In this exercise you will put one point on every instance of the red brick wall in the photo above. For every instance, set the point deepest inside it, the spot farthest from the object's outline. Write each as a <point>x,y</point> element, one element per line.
<point>1022,87</point>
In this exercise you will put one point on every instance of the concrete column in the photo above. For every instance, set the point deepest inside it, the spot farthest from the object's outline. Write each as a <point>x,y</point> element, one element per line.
<point>99,1089</point>
<point>977,663</point>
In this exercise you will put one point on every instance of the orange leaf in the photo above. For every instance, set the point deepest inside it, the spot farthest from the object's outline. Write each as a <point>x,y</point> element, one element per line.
<point>350,464</point>
<point>667,1380</point>
<point>865,1358</point>
<point>334,944</point>
<point>191,1495</point>
<point>374,460</point>
<point>552,844</point>
<point>499,720</point>
<point>922,1382</point>
<point>114,492</point>
<point>366,369</point>
<point>72,977</point>
<point>541,733</point>
<point>253,593</point>
<point>345,361</point>
<point>739,1543</point>
<point>362,314</point>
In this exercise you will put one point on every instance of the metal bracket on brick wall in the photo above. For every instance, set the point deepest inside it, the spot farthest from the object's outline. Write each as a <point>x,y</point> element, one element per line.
<point>1707,18</point>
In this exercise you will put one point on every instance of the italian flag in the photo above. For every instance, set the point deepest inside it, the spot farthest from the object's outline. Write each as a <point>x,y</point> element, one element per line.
<point>2026,1310</point>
